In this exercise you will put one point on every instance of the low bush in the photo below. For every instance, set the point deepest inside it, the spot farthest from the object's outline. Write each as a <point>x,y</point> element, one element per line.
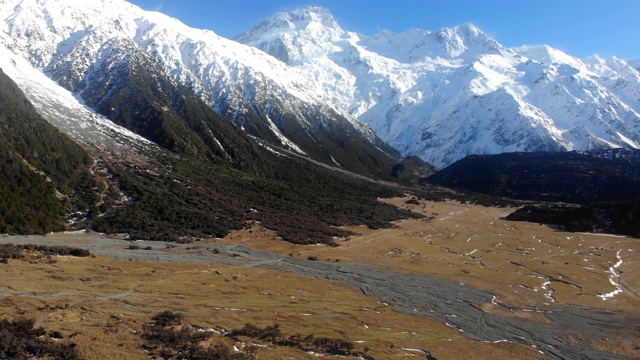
<point>168,338</point>
<point>168,318</point>
<point>19,340</point>
<point>12,251</point>
<point>615,217</point>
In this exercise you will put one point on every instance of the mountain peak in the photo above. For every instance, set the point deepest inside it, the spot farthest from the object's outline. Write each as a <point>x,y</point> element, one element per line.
<point>466,37</point>
<point>465,40</point>
<point>295,36</point>
<point>465,31</point>
<point>469,29</point>
<point>308,18</point>
<point>312,13</point>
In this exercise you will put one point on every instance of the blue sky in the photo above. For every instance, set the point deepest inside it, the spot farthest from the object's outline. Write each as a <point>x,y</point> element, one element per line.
<point>578,27</point>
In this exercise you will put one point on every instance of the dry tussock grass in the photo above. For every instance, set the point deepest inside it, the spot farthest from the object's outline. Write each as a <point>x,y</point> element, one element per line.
<point>102,306</point>
<point>473,245</point>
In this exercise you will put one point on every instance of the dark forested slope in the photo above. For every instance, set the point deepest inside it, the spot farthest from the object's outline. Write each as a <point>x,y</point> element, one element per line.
<point>575,177</point>
<point>42,171</point>
<point>198,189</point>
<point>603,186</point>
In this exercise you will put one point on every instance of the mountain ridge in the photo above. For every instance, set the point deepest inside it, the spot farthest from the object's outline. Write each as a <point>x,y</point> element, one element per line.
<point>81,46</point>
<point>440,95</point>
<point>152,190</point>
<point>410,86</point>
<point>140,190</point>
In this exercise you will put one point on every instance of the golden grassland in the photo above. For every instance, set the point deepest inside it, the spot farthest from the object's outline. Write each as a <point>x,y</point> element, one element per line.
<point>102,304</point>
<point>473,245</point>
<point>524,264</point>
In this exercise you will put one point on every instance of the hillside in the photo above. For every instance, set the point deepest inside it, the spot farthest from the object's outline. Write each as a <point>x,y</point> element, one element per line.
<point>605,184</point>
<point>44,173</point>
<point>176,198</point>
<point>146,192</point>
<point>573,177</point>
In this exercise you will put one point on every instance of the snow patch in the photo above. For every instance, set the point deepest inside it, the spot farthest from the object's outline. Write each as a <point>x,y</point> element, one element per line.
<point>614,278</point>
<point>283,139</point>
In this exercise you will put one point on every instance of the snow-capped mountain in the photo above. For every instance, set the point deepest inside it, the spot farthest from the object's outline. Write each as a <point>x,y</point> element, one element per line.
<point>301,81</point>
<point>137,67</point>
<point>453,92</point>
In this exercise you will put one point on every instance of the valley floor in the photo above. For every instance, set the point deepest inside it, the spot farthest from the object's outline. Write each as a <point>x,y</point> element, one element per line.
<point>524,264</point>
<point>459,282</point>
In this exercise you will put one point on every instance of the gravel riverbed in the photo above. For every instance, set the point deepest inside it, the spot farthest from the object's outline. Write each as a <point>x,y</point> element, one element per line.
<point>452,303</point>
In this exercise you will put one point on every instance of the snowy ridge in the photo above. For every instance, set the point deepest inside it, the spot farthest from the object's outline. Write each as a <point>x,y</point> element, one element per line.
<point>453,92</point>
<point>69,41</point>
<point>635,63</point>
<point>60,108</point>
